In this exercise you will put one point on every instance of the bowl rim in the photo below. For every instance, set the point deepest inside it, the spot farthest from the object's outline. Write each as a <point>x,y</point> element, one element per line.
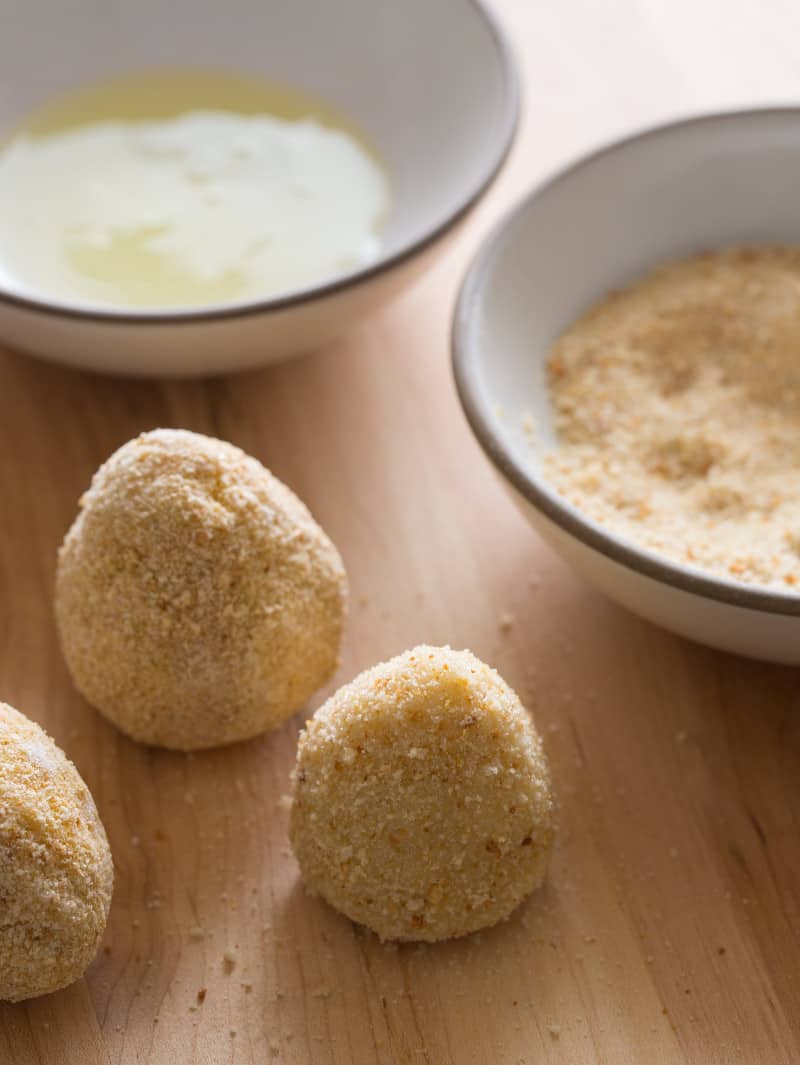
<point>465,347</point>
<point>506,133</point>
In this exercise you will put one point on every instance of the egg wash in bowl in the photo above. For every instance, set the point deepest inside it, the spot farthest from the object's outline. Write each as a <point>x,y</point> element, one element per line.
<point>185,188</point>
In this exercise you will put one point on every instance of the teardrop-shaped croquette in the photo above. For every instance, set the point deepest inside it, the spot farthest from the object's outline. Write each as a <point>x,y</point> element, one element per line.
<point>422,803</point>
<point>56,873</point>
<point>197,600</point>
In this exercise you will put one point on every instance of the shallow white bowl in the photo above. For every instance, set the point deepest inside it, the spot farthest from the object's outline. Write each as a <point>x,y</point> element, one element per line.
<point>698,184</point>
<point>432,85</point>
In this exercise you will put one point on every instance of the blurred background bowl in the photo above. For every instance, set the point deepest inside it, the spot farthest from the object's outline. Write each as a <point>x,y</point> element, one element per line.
<point>703,183</point>
<point>432,86</point>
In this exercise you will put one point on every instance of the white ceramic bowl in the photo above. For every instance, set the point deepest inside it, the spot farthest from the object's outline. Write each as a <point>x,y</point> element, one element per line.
<point>698,184</point>
<point>430,83</point>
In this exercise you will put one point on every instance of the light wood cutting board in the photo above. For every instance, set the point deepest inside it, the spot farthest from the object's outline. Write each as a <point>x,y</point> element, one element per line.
<point>669,930</point>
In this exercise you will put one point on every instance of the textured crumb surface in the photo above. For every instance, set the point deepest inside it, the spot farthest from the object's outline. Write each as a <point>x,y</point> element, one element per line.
<point>56,873</point>
<point>197,600</point>
<point>422,800</point>
<point>677,406</point>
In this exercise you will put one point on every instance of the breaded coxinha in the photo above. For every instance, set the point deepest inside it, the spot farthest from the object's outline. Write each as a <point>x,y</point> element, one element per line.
<point>422,803</point>
<point>56,874</point>
<point>197,600</point>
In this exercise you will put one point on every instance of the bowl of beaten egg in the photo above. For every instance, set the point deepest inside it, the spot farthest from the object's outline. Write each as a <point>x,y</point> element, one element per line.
<point>627,352</point>
<point>191,189</point>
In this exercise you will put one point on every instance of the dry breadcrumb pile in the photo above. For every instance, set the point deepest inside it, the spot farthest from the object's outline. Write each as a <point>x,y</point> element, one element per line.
<point>56,873</point>
<point>422,800</point>
<point>677,408</point>
<point>197,600</point>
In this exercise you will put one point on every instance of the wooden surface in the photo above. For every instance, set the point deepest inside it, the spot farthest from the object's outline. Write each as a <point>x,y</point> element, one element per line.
<point>668,930</point>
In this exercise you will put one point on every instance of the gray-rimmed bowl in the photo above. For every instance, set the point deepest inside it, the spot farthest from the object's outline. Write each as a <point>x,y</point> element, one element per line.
<point>696,184</point>
<point>431,84</point>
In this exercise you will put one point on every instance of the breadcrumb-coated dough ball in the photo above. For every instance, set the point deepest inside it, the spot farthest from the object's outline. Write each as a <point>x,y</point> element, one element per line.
<point>56,873</point>
<point>197,600</point>
<point>422,804</point>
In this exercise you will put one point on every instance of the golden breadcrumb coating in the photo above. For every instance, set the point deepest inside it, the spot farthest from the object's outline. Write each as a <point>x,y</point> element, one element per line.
<point>56,873</point>
<point>422,803</point>
<point>198,601</point>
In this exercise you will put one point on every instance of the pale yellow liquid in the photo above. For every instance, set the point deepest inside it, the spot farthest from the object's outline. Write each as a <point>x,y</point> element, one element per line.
<point>235,189</point>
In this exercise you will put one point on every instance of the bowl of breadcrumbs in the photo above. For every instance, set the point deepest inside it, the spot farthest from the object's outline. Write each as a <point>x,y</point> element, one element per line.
<point>626,348</point>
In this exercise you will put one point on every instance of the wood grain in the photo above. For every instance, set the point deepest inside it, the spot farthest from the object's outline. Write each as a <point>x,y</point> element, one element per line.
<point>669,930</point>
